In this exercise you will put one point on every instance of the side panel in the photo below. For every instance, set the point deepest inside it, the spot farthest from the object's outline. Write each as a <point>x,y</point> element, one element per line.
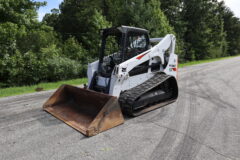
<point>92,68</point>
<point>122,81</point>
<point>172,67</point>
<point>118,85</point>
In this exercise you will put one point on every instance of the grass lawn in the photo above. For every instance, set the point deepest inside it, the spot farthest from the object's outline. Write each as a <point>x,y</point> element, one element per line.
<point>48,86</point>
<point>203,61</point>
<point>45,86</point>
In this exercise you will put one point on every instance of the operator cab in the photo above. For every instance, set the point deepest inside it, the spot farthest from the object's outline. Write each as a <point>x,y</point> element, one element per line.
<point>120,44</point>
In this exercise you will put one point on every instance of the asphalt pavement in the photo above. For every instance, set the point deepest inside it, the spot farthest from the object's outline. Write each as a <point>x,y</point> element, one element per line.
<point>204,124</point>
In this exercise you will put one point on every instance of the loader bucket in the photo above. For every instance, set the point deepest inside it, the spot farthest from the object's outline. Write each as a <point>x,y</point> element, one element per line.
<point>86,111</point>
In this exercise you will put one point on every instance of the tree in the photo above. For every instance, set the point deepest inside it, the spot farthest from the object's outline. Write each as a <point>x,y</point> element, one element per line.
<point>59,47</point>
<point>204,36</point>
<point>21,12</point>
<point>73,50</point>
<point>83,22</point>
<point>37,37</point>
<point>138,13</point>
<point>31,51</point>
<point>232,29</point>
<point>8,32</point>
<point>52,19</point>
<point>173,10</point>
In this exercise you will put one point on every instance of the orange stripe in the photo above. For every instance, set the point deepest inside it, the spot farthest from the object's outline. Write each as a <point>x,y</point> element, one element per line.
<point>141,56</point>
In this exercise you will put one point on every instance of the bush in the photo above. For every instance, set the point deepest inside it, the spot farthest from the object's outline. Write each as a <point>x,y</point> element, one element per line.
<point>8,34</point>
<point>41,36</point>
<point>31,68</point>
<point>73,50</point>
<point>62,68</point>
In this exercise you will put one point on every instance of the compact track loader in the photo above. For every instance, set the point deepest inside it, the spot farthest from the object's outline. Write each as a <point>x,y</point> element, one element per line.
<point>134,75</point>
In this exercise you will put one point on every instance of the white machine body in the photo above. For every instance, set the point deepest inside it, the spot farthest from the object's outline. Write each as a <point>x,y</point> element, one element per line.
<point>163,51</point>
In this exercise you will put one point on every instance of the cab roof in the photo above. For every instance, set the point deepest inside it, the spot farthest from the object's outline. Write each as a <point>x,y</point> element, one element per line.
<point>125,29</point>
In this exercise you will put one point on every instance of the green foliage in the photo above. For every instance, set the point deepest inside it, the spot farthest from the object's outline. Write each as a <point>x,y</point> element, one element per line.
<point>8,32</point>
<point>4,92</point>
<point>32,52</point>
<point>232,29</point>
<point>21,12</point>
<point>31,68</point>
<point>61,68</point>
<point>52,19</point>
<point>138,13</point>
<point>199,26</point>
<point>155,21</point>
<point>173,10</point>
<point>39,36</point>
<point>83,22</point>
<point>191,63</point>
<point>67,39</point>
<point>73,50</point>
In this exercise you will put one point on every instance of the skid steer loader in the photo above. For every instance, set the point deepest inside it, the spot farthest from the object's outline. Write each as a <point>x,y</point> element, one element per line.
<point>134,75</point>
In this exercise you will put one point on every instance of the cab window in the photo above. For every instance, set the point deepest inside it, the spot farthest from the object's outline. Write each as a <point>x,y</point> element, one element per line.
<point>136,44</point>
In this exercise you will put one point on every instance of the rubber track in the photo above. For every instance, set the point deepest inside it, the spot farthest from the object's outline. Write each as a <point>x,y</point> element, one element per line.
<point>128,97</point>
